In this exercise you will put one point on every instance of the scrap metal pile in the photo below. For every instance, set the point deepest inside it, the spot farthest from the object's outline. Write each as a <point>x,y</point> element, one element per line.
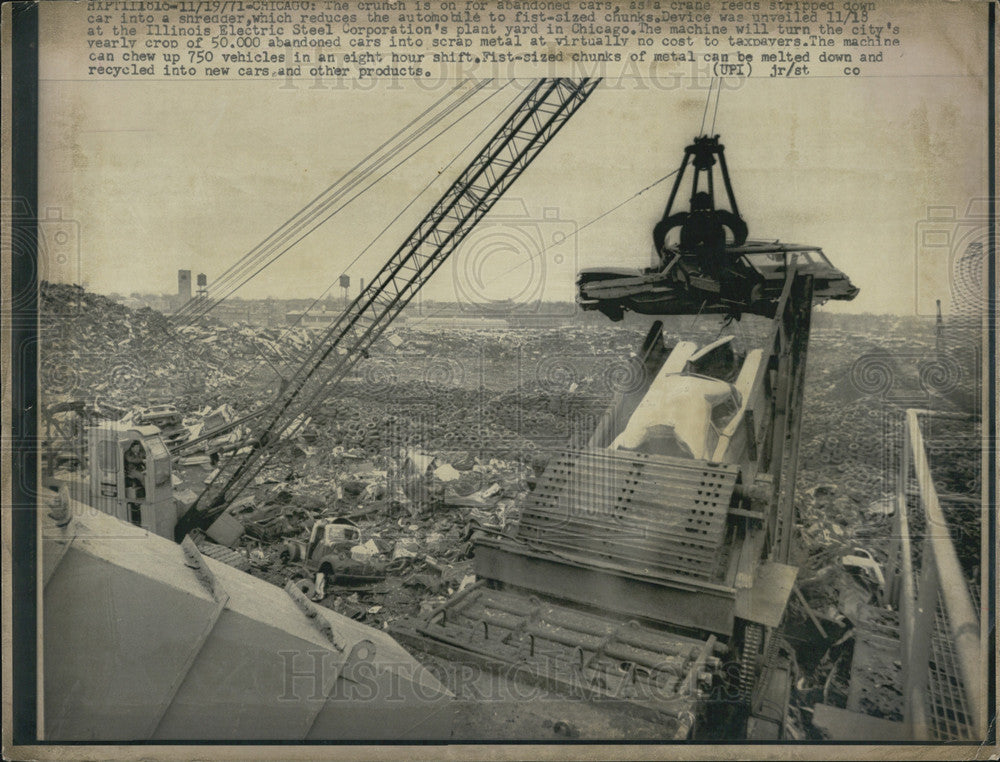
<point>98,348</point>
<point>415,458</point>
<point>418,460</point>
<point>369,478</point>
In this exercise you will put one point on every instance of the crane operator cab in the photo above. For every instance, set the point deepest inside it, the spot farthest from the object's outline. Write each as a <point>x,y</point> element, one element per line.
<point>130,476</point>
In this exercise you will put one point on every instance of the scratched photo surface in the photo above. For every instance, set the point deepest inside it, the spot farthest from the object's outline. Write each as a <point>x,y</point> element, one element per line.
<point>512,371</point>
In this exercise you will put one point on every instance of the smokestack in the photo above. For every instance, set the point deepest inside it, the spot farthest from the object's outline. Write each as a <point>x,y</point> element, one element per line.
<point>184,286</point>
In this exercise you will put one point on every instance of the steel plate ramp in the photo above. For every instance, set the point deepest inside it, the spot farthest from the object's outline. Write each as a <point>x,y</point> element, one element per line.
<point>541,642</point>
<point>637,513</point>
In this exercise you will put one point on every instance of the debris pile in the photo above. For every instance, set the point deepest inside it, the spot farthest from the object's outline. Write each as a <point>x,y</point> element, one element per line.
<point>95,347</point>
<point>372,501</point>
<point>391,534</point>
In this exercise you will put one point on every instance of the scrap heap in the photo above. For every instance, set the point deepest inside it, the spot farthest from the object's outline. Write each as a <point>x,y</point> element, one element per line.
<point>437,510</point>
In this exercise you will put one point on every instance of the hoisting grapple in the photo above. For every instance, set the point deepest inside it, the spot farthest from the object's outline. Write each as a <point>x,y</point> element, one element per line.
<point>709,266</point>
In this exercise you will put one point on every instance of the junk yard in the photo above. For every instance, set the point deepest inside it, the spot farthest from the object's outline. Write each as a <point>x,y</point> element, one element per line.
<point>692,505</point>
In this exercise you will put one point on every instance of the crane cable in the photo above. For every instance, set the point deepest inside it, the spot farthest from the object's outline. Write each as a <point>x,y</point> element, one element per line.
<point>576,232</point>
<point>245,278</point>
<point>192,305</point>
<point>263,357</point>
<point>356,196</point>
<point>708,99</point>
<point>317,205</point>
<point>308,214</point>
<point>393,221</point>
<point>718,94</point>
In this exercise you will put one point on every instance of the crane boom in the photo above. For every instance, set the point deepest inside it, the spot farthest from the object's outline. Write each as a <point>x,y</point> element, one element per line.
<point>536,120</point>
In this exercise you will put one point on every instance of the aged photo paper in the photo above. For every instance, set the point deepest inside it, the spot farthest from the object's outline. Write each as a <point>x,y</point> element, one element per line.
<point>500,378</point>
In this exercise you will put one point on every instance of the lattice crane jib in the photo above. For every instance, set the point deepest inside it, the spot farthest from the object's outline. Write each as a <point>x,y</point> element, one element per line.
<point>543,111</point>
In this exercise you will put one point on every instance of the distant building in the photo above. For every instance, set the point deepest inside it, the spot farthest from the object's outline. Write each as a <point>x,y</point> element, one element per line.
<point>542,320</point>
<point>158,302</point>
<point>492,315</point>
<point>260,312</point>
<point>316,320</point>
<point>438,323</point>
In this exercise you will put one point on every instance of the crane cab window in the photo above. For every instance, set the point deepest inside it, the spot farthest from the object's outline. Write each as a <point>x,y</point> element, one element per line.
<point>135,480</point>
<point>107,455</point>
<point>160,462</point>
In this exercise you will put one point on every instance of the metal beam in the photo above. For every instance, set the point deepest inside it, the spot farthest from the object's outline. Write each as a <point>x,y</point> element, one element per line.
<point>789,349</point>
<point>962,618</point>
<point>537,119</point>
<point>698,606</point>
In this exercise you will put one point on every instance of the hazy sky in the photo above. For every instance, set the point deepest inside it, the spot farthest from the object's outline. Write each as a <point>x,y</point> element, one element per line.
<point>166,175</point>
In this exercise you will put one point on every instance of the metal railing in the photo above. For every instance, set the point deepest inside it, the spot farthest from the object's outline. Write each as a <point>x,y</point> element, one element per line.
<point>944,691</point>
